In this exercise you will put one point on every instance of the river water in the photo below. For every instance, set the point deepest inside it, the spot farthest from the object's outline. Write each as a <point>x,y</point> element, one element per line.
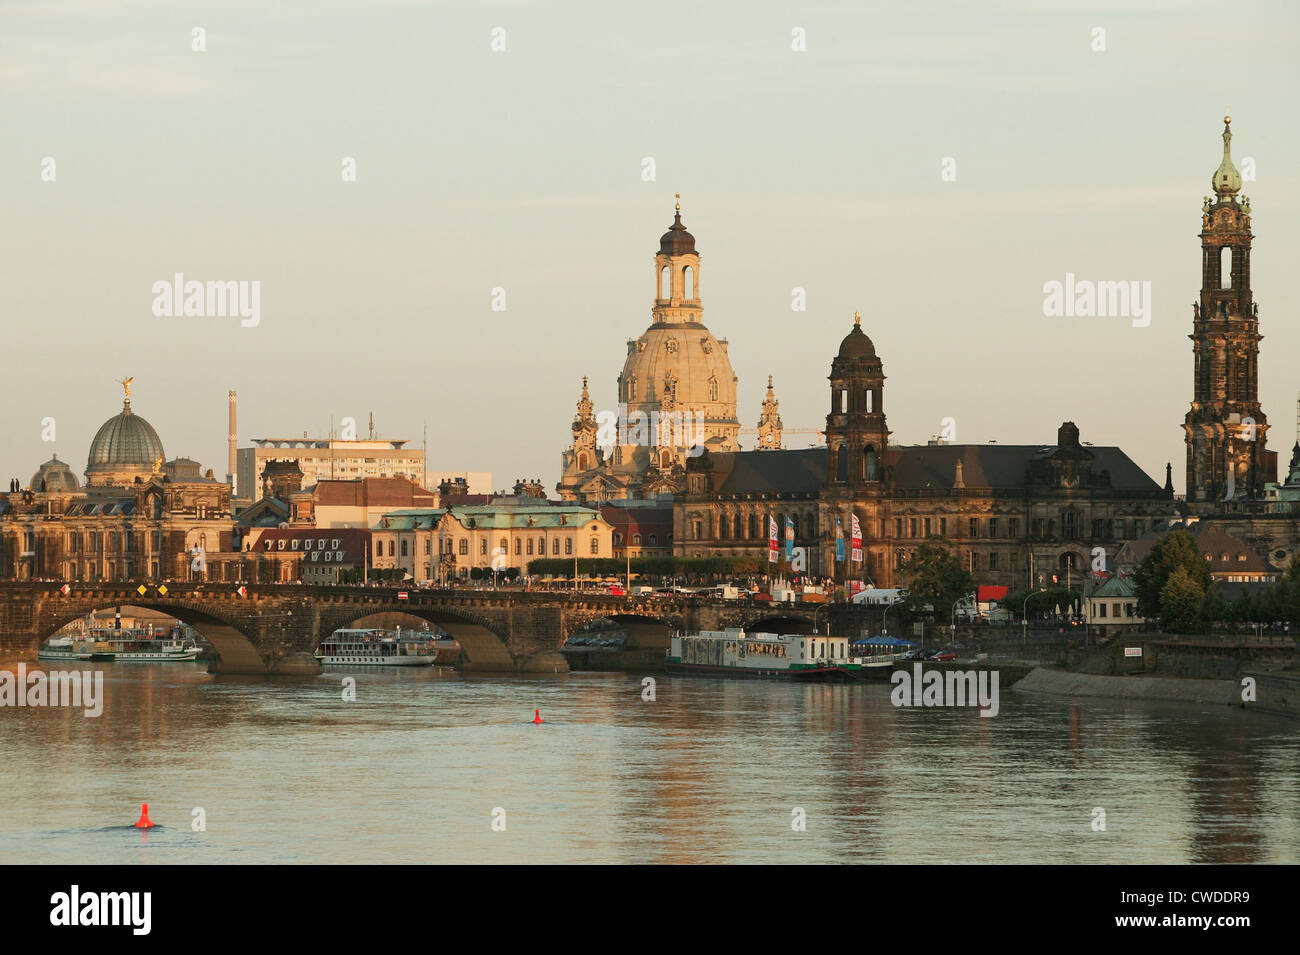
<point>286,770</point>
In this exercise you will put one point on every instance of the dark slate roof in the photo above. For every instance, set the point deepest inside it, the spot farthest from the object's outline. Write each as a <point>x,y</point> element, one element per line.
<point>769,472</point>
<point>1002,465</point>
<point>916,467</point>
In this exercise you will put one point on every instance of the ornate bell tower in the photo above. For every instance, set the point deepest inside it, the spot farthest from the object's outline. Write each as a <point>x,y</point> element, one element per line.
<point>1225,427</point>
<point>856,435</point>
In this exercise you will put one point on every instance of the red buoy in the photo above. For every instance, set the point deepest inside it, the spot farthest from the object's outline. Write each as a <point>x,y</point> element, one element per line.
<point>145,822</point>
<point>537,717</point>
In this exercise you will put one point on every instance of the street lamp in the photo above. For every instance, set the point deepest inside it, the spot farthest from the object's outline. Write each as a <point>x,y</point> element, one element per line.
<point>1024,617</point>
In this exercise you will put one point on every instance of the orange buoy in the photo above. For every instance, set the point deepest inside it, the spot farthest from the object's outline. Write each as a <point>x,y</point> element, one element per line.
<point>145,822</point>
<point>537,717</point>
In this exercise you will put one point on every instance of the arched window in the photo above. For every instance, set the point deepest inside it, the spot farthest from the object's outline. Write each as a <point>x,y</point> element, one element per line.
<point>636,540</point>
<point>582,461</point>
<point>713,389</point>
<point>722,526</point>
<point>753,526</point>
<point>688,282</point>
<point>1225,267</point>
<point>869,463</point>
<point>631,388</point>
<point>665,283</point>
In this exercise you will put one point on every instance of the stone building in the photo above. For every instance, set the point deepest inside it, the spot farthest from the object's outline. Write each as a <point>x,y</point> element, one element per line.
<point>138,516</point>
<point>1231,474</point>
<point>677,390</point>
<point>1015,514</point>
<point>433,544</point>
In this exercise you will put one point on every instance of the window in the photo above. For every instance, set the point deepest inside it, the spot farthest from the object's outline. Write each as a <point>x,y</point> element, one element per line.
<point>722,526</point>
<point>695,530</point>
<point>1101,610</point>
<point>403,547</point>
<point>555,547</point>
<point>898,527</point>
<point>974,527</point>
<point>530,547</point>
<point>464,545</point>
<point>1114,610</point>
<point>993,527</point>
<point>993,561</point>
<point>541,546</point>
<point>636,539</point>
<point>927,527</point>
<point>568,545</point>
<point>1225,267</point>
<point>518,545</point>
<point>595,545</point>
<point>943,526</point>
<point>911,527</point>
<point>654,539</point>
<point>482,546</point>
<point>504,546</point>
<point>1013,527</point>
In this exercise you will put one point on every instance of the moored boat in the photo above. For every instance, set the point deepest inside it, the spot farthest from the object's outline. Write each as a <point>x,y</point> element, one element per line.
<point>375,647</point>
<point>734,652</point>
<point>69,648</point>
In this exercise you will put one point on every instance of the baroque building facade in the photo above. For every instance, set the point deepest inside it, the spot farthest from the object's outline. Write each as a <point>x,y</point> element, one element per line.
<point>138,517</point>
<point>1015,515</point>
<point>676,394</point>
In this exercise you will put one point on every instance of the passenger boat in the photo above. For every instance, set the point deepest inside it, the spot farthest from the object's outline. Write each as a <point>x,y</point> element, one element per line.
<point>137,644</point>
<point>70,648</point>
<point>374,647</point>
<point>733,652</point>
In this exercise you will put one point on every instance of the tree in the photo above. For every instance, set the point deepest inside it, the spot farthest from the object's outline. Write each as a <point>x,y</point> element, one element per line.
<point>1174,550</point>
<point>935,576</point>
<point>1181,600</point>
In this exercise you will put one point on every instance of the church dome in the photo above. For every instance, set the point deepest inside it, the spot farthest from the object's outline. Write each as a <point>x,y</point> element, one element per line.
<point>677,241</point>
<point>124,443</point>
<point>54,477</point>
<point>856,344</point>
<point>684,363</point>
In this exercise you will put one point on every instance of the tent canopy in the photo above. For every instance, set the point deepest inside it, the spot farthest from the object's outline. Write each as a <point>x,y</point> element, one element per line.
<point>883,642</point>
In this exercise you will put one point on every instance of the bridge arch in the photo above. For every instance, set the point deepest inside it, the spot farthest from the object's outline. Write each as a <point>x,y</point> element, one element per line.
<point>238,652</point>
<point>482,646</point>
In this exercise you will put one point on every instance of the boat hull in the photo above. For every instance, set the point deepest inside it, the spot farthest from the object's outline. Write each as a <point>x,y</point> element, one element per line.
<point>831,674</point>
<point>393,661</point>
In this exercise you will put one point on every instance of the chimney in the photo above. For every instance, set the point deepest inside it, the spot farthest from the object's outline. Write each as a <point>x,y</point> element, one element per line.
<point>230,464</point>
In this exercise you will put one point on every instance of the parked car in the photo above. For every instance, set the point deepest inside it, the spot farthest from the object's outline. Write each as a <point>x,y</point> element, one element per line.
<point>944,656</point>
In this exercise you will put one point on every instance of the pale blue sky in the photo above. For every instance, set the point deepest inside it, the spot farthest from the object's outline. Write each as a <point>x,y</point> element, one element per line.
<point>522,169</point>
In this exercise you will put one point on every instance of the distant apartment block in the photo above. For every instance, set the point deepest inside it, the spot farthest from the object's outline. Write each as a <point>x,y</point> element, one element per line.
<point>324,459</point>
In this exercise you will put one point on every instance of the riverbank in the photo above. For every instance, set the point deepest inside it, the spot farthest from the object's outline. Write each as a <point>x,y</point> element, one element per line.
<point>1277,693</point>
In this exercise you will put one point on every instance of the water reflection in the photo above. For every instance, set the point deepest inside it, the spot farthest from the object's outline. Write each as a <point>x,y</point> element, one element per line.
<point>287,771</point>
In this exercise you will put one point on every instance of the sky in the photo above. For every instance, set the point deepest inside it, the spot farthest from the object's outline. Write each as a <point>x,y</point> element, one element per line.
<point>523,169</point>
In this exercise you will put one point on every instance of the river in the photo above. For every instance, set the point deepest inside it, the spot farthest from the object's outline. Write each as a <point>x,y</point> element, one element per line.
<point>287,770</point>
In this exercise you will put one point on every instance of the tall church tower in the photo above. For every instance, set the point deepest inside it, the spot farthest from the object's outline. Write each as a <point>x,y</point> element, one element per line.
<point>856,435</point>
<point>1225,427</point>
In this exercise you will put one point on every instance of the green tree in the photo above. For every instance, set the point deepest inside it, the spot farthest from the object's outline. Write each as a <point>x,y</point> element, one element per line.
<point>1180,602</point>
<point>1173,551</point>
<point>935,576</point>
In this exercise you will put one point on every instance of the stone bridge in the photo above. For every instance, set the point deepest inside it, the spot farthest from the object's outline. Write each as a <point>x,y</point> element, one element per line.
<point>274,628</point>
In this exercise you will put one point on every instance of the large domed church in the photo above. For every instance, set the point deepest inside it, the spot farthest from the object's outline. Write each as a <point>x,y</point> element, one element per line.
<point>137,517</point>
<point>676,394</point>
